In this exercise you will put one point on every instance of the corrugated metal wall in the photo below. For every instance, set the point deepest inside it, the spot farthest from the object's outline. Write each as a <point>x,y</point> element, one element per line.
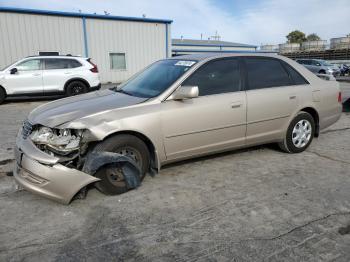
<point>142,43</point>
<point>23,35</point>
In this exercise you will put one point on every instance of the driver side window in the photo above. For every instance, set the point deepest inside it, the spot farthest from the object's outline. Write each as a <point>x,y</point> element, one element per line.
<point>216,77</point>
<point>29,65</point>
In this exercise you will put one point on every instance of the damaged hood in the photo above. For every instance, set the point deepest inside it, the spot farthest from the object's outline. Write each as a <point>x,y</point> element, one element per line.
<point>68,109</point>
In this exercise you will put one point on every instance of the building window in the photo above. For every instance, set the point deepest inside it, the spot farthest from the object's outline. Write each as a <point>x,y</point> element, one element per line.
<point>117,61</point>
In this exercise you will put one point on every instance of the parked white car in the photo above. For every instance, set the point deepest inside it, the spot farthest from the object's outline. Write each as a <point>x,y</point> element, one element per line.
<point>48,75</point>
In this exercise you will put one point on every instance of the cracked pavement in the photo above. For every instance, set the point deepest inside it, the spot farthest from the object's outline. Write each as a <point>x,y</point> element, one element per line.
<point>256,204</point>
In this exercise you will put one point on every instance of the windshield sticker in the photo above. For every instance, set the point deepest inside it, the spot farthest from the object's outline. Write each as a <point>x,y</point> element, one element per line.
<point>185,63</point>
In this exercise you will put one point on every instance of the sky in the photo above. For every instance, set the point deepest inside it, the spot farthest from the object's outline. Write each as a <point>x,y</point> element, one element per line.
<point>250,22</point>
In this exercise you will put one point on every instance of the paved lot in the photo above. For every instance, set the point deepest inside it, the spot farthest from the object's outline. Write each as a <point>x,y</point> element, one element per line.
<point>250,205</point>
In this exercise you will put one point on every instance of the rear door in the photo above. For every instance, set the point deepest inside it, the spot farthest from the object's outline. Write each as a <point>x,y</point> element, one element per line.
<point>214,121</point>
<point>271,99</point>
<point>57,71</point>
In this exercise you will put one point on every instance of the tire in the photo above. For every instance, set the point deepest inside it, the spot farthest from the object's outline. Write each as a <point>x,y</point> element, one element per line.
<point>2,95</point>
<point>297,141</point>
<point>76,88</point>
<point>112,182</point>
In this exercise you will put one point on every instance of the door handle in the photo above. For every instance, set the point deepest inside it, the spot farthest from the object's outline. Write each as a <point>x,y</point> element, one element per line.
<point>292,97</point>
<point>236,105</point>
<point>67,73</point>
<point>36,74</point>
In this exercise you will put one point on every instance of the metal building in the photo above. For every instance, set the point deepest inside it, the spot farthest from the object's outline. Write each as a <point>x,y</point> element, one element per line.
<point>190,46</point>
<point>120,46</point>
<point>340,43</point>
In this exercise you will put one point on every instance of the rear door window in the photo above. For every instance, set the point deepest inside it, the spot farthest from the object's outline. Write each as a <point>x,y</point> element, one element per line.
<point>60,63</point>
<point>216,77</point>
<point>295,76</point>
<point>265,72</point>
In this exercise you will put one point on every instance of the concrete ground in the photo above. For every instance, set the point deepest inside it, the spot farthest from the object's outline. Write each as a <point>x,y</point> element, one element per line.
<point>257,204</point>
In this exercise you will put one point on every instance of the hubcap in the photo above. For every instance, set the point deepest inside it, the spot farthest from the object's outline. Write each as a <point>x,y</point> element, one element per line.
<point>301,133</point>
<point>115,174</point>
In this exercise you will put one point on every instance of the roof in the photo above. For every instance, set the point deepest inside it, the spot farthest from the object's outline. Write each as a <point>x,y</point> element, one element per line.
<point>194,42</point>
<point>83,15</point>
<point>204,56</point>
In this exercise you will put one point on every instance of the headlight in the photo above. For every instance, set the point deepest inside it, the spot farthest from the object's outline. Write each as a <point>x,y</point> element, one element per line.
<point>60,141</point>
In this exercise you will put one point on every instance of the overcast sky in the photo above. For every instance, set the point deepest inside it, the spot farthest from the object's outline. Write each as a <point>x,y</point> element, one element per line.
<point>251,22</point>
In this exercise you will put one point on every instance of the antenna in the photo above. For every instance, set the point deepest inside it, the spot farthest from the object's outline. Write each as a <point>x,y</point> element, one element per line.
<point>143,15</point>
<point>106,13</point>
<point>216,37</point>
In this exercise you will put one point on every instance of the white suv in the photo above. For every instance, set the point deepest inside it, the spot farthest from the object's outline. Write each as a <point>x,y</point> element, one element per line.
<point>45,75</point>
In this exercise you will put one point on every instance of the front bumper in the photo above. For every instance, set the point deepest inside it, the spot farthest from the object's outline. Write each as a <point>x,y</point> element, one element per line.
<point>53,180</point>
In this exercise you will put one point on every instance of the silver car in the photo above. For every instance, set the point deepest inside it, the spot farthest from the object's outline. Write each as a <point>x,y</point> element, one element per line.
<point>175,109</point>
<point>319,66</point>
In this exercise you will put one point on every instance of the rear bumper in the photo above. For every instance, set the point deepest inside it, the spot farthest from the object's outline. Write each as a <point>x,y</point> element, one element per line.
<point>53,181</point>
<point>94,88</point>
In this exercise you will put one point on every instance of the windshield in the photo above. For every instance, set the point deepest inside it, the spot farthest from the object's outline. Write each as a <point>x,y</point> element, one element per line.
<point>155,79</point>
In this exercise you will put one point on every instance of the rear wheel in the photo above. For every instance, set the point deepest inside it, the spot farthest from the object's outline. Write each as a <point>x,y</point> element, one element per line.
<point>112,179</point>
<point>76,88</point>
<point>2,95</point>
<point>299,134</point>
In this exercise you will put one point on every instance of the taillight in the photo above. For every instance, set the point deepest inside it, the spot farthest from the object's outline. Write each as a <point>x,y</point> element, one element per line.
<point>339,97</point>
<point>94,69</point>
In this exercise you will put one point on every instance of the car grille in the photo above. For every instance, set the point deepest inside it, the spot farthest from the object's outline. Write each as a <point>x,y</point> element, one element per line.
<point>26,129</point>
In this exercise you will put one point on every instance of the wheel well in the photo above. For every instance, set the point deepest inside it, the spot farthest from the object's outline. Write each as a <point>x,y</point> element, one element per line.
<point>86,83</point>
<point>146,140</point>
<point>322,71</point>
<point>316,118</point>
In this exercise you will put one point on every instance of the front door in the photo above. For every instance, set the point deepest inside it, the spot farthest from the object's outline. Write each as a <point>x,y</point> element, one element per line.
<point>27,79</point>
<point>214,121</point>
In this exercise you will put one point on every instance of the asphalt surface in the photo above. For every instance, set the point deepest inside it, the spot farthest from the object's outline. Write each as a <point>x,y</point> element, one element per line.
<point>257,204</point>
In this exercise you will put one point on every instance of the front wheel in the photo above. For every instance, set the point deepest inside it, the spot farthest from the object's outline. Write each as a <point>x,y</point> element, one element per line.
<point>2,95</point>
<point>112,179</point>
<point>299,134</point>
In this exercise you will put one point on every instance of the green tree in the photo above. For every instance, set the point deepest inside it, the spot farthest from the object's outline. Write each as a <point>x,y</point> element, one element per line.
<point>296,36</point>
<point>313,37</point>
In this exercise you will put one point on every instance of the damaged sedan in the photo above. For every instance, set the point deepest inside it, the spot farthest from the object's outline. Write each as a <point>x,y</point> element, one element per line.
<point>174,109</point>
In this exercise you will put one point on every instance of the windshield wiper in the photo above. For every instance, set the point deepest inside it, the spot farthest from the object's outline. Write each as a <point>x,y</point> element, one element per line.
<point>123,92</point>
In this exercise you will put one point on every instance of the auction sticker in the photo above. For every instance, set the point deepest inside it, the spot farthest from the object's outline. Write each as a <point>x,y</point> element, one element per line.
<point>185,63</point>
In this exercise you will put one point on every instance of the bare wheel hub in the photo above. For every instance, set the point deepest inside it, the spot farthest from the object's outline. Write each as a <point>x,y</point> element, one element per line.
<point>115,174</point>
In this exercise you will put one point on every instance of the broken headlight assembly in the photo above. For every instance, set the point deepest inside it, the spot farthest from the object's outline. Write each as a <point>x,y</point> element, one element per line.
<point>62,143</point>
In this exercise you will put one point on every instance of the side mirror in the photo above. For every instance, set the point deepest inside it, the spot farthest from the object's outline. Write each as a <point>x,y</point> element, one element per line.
<point>13,71</point>
<point>185,92</point>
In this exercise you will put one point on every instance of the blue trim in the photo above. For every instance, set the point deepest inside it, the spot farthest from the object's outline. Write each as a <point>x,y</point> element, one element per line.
<point>214,45</point>
<point>216,51</point>
<point>166,41</point>
<point>86,48</point>
<point>72,14</point>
